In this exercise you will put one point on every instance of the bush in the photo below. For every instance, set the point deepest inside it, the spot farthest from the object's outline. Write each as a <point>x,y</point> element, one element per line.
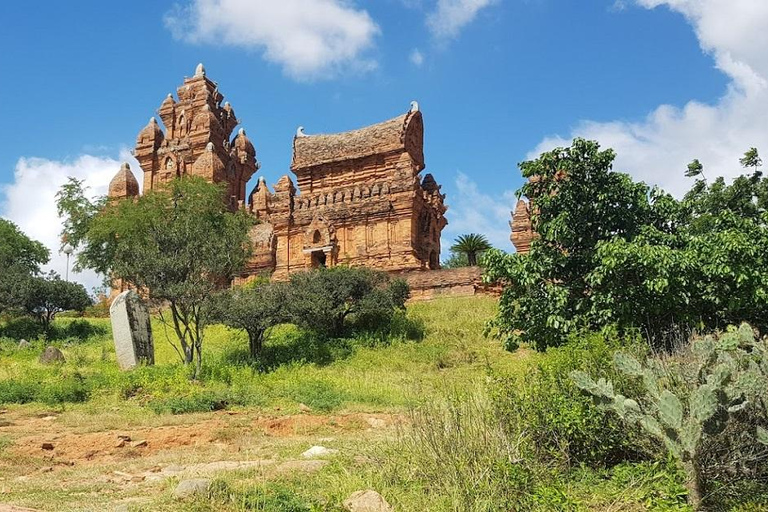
<point>22,328</point>
<point>561,424</point>
<point>72,388</point>
<point>335,300</point>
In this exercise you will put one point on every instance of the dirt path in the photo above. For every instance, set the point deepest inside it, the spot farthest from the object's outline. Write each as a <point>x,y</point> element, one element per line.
<point>55,441</point>
<point>71,460</point>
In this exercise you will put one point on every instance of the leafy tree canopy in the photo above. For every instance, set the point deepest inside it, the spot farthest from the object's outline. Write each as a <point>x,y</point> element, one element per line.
<point>613,251</point>
<point>19,251</point>
<point>254,309</point>
<point>20,259</point>
<point>324,300</point>
<point>44,297</point>
<point>177,244</point>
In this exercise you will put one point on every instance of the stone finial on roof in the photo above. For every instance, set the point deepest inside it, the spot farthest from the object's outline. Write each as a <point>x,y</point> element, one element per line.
<point>199,70</point>
<point>300,132</point>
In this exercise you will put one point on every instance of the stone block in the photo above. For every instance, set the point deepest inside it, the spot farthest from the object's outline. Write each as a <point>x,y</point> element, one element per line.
<point>131,331</point>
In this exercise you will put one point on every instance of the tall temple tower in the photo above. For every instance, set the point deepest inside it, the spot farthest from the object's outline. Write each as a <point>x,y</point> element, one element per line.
<point>197,140</point>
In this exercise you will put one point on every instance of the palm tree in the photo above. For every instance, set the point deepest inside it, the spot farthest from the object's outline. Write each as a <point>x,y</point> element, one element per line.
<point>471,245</point>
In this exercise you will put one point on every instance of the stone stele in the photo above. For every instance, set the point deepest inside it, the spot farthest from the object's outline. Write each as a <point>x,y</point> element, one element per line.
<point>131,331</point>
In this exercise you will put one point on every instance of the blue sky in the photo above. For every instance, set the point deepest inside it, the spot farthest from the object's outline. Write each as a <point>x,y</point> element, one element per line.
<point>662,81</point>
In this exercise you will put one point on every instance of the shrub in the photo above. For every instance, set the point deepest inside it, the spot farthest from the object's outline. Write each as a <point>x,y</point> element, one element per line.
<point>329,301</point>
<point>562,425</point>
<point>254,309</point>
<point>22,328</point>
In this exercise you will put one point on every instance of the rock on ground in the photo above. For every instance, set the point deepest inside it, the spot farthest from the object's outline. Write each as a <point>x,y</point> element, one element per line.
<point>366,501</point>
<point>318,451</point>
<point>52,355</point>
<point>190,488</point>
<point>24,344</point>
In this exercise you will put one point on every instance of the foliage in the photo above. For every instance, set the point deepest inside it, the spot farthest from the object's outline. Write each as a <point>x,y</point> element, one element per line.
<point>471,245</point>
<point>561,425</point>
<point>254,309</point>
<point>455,260</point>
<point>178,244</point>
<point>329,301</point>
<point>20,259</point>
<point>751,159</point>
<point>695,168</point>
<point>718,380</point>
<point>44,297</point>
<point>78,211</point>
<point>615,252</point>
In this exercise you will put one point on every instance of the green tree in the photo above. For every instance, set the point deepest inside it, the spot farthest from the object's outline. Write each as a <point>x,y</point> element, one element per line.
<point>472,245</point>
<point>44,297</point>
<point>20,259</point>
<point>751,159</point>
<point>324,300</point>
<point>177,244</point>
<point>614,252</point>
<point>253,309</point>
<point>578,202</point>
<point>695,168</point>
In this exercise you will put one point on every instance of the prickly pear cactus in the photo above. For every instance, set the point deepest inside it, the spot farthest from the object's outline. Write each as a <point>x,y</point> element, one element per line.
<point>729,370</point>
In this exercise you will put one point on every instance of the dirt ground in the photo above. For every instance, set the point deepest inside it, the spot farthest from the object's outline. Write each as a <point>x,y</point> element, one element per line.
<point>66,456</point>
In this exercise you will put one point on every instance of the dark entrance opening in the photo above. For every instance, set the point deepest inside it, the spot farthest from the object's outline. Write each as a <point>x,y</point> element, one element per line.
<point>318,259</point>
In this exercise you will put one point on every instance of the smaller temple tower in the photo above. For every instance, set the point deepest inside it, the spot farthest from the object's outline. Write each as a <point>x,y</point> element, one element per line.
<point>522,230</point>
<point>124,184</point>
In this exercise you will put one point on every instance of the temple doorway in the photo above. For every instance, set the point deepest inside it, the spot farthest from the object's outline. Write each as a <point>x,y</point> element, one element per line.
<point>318,259</point>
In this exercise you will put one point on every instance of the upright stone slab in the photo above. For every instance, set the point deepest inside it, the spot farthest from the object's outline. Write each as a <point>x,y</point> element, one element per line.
<point>131,331</point>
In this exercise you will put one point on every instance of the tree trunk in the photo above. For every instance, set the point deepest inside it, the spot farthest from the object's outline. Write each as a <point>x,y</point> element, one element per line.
<point>255,343</point>
<point>472,259</point>
<point>694,484</point>
<point>198,359</point>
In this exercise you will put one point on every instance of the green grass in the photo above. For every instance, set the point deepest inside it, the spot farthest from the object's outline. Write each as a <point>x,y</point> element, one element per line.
<point>356,374</point>
<point>450,454</point>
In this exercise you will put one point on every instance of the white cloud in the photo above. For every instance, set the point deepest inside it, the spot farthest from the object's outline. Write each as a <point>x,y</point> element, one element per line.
<point>308,38</point>
<point>416,58</point>
<point>472,211</point>
<point>658,148</point>
<point>450,16</point>
<point>30,200</point>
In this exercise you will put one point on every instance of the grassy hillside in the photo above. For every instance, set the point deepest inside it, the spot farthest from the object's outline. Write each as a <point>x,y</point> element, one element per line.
<point>415,417</point>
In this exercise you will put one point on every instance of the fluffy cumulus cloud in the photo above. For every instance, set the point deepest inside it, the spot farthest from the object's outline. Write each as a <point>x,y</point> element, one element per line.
<point>30,200</point>
<point>451,16</point>
<point>658,148</point>
<point>473,211</point>
<point>309,38</point>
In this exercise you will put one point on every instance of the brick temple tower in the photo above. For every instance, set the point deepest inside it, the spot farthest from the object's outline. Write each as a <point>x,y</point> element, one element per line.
<point>197,140</point>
